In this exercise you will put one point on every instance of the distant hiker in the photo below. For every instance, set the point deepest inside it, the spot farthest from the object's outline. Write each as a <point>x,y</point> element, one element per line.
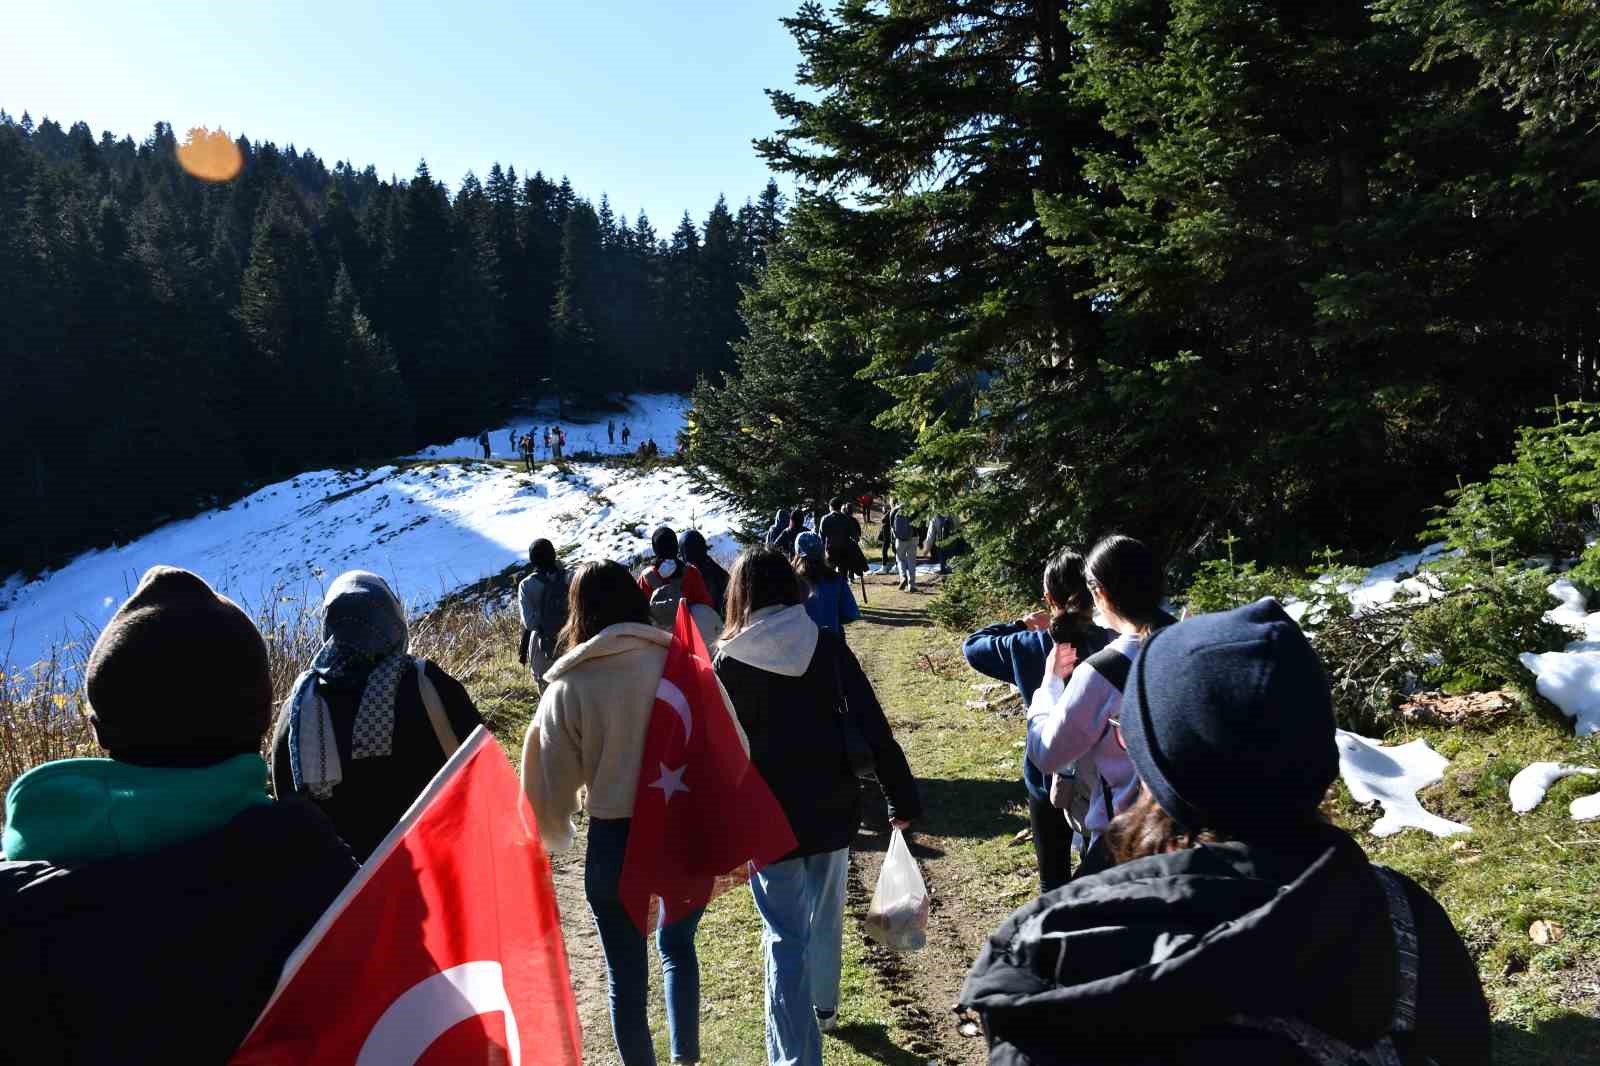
<point>780,523</point>
<point>626,433</point>
<point>483,442</point>
<point>841,538</point>
<point>150,899</point>
<point>527,452</point>
<point>589,734</point>
<point>886,537</point>
<point>1019,652</point>
<point>830,603</point>
<point>940,529</point>
<point>547,447</point>
<point>558,438</point>
<point>865,500</point>
<point>1071,719</point>
<point>542,601</point>
<point>692,549</point>
<point>789,683</point>
<point>513,436</point>
<point>652,450</point>
<point>611,432</point>
<point>1239,926</point>
<point>786,539</point>
<point>669,579</point>
<point>366,726</point>
<point>904,535</point>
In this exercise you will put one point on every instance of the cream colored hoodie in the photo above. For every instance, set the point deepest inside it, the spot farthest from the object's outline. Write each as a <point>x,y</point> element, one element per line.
<point>590,726</point>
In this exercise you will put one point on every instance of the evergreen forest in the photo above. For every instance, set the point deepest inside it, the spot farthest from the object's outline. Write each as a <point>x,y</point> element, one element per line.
<point>168,340</point>
<point>1277,273</point>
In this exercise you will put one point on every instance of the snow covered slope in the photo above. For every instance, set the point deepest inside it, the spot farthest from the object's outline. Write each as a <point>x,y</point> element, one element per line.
<point>430,528</point>
<point>656,417</point>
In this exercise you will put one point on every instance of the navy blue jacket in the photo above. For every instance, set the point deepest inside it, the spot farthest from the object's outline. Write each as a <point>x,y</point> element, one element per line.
<point>1010,651</point>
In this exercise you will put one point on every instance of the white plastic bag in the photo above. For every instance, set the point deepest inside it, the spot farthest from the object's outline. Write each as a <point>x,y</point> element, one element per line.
<point>898,916</point>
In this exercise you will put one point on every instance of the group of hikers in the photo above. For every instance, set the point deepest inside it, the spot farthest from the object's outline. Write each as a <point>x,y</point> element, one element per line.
<point>1215,914</point>
<point>527,445</point>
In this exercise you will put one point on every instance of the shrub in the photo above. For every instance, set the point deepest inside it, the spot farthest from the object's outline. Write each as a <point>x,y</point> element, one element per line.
<point>969,600</point>
<point>1222,585</point>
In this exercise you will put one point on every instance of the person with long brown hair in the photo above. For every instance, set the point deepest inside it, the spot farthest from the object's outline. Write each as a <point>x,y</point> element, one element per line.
<point>790,681</point>
<point>1240,926</point>
<point>1018,652</point>
<point>589,733</point>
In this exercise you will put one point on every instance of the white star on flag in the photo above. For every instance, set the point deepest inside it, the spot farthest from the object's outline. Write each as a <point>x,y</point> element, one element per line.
<point>670,781</point>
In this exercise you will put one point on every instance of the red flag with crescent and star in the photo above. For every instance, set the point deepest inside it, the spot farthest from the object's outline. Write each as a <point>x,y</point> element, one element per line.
<point>703,818</point>
<point>445,947</point>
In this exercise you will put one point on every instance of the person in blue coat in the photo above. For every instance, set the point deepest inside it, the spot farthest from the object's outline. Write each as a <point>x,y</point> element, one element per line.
<point>1018,652</point>
<point>831,604</point>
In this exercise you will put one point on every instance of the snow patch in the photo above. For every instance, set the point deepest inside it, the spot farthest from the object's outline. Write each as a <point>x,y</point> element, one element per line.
<point>1586,808</point>
<point>1532,782</point>
<point>1392,776</point>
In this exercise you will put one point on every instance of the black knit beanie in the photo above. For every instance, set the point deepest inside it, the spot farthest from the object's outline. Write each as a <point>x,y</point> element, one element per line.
<point>179,676</point>
<point>1229,722</point>
<point>664,542</point>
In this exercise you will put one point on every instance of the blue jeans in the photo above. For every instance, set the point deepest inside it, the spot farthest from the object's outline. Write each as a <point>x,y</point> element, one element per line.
<point>801,903</point>
<point>627,959</point>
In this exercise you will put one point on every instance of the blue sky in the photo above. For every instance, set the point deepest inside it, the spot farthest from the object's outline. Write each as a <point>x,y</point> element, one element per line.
<point>654,103</point>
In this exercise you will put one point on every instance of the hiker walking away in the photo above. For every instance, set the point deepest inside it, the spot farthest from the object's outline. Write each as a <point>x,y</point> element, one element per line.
<point>527,452</point>
<point>1019,652</point>
<point>589,734</point>
<point>513,439</point>
<point>1239,926</point>
<point>886,537</point>
<point>160,883</point>
<point>1072,716</point>
<point>841,539</point>
<point>550,451</point>
<point>626,433</point>
<point>939,531</point>
<point>780,523</point>
<point>558,438</point>
<point>830,603</point>
<point>669,579</point>
<point>692,550</point>
<point>366,726</point>
<point>788,680</point>
<point>786,539</point>
<point>865,500</point>
<point>611,431</point>
<point>483,442</point>
<point>905,547</point>
<point>542,602</point>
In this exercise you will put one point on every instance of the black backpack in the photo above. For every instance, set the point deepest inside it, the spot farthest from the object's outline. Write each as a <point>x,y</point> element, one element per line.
<point>552,610</point>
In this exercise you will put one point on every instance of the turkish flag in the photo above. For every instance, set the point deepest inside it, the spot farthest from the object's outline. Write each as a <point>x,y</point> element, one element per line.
<point>703,817</point>
<point>445,947</point>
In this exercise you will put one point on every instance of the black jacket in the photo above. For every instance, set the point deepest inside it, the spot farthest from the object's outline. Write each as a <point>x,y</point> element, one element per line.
<point>796,745</point>
<point>167,957</point>
<point>1141,964</point>
<point>376,792</point>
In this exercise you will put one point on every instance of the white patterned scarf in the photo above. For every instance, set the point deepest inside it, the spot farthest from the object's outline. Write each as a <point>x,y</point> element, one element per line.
<point>364,636</point>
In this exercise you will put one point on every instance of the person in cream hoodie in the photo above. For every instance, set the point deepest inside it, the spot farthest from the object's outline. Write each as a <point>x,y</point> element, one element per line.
<point>589,733</point>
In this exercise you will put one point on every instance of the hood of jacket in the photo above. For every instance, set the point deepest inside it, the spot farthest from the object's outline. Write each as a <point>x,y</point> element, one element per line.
<point>779,640</point>
<point>619,639</point>
<point>1175,943</point>
<point>89,810</point>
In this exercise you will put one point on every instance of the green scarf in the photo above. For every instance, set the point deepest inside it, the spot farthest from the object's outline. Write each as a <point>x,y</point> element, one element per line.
<point>89,810</point>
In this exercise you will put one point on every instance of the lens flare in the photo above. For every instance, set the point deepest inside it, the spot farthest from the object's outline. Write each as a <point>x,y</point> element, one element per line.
<point>210,155</point>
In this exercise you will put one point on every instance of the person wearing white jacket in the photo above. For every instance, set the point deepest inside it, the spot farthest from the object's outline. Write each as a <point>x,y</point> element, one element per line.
<point>589,733</point>
<point>1073,728</point>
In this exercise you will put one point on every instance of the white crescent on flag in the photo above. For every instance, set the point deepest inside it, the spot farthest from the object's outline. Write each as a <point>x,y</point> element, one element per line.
<point>433,1006</point>
<point>673,697</point>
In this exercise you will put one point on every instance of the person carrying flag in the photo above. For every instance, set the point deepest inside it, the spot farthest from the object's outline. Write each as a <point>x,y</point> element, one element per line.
<point>590,732</point>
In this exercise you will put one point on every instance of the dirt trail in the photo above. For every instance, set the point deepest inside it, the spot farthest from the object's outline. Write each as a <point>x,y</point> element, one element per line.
<point>584,959</point>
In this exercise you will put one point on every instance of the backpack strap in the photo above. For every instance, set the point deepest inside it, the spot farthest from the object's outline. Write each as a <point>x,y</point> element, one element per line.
<point>1112,665</point>
<point>442,729</point>
<point>1407,955</point>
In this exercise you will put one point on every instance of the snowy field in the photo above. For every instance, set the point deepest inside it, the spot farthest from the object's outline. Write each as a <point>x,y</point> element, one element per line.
<point>430,529</point>
<point>656,417</point>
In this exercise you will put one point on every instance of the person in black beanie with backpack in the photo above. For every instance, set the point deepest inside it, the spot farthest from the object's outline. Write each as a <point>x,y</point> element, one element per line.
<point>1239,926</point>
<point>150,899</point>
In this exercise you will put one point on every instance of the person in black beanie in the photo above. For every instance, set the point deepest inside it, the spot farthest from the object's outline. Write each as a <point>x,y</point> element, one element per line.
<point>149,900</point>
<point>1239,925</point>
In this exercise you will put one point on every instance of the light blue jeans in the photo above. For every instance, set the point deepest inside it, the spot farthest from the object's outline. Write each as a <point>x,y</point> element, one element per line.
<point>801,902</point>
